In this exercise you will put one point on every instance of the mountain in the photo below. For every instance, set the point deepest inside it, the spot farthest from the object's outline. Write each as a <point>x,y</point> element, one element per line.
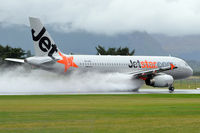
<point>80,42</point>
<point>187,47</point>
<point>83,42</point>
<point>195,65</point>
<point>16,36</point>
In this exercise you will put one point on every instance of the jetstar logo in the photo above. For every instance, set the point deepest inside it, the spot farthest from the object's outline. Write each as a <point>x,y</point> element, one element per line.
<point>149,64</point>
<point>45,43</point>
<point>67,61</point>
<point>172,66</point>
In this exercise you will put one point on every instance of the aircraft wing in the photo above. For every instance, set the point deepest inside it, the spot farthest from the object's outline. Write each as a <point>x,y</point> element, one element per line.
<point>15,60</point>
<point>145,74</point>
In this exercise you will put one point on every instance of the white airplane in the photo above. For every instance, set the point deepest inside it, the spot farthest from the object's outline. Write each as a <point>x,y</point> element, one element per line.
<point>156,71</point>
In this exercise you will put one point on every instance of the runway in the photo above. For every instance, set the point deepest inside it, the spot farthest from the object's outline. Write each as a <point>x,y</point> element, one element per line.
<point>141,91</point>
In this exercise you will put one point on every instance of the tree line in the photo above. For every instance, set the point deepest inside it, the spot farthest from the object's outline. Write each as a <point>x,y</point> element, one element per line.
<point>114,51</point>
<point>10,52</point>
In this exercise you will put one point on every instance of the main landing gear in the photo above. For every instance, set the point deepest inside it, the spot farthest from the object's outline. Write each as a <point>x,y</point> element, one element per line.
<point>171,89</point>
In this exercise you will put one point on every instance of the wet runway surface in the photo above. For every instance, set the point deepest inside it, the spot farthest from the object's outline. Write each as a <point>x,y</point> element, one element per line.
<point>141,91</point>
<point>166,91</point>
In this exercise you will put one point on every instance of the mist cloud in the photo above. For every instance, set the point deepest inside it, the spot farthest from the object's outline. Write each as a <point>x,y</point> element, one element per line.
<point>17,81</point>
<point>172,17</point>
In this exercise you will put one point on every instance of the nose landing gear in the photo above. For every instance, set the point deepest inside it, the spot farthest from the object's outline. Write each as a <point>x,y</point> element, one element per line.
<point>171,89</point>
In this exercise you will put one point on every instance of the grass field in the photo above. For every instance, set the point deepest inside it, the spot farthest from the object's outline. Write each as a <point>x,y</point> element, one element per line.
<point>100,114</point>
<point>191,83</point>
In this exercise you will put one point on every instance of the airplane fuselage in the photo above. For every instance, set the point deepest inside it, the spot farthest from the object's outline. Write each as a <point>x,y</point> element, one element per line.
<point>123,64</point>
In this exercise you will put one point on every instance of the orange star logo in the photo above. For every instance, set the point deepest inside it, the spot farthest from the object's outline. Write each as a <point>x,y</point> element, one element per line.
<point>172,66</point>
<point>67,61</point>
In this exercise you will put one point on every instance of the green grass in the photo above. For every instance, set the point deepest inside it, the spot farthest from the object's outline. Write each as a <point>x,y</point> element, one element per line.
<point>187,84</point>
<point>100,113</point>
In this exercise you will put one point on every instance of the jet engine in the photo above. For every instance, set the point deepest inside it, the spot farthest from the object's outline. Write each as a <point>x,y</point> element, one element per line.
<point>163,80</point>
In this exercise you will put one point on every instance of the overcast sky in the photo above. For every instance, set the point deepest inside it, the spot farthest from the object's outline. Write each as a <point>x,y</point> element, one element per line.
<point>172,17</point>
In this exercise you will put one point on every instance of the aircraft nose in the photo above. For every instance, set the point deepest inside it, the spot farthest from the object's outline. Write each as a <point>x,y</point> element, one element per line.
<point>189,71</point>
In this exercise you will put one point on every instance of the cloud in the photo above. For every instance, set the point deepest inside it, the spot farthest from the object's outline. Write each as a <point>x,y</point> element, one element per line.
<point>172,17</point>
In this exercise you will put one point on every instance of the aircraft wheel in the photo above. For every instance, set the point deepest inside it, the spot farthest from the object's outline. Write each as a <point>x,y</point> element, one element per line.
<point>171,89</point>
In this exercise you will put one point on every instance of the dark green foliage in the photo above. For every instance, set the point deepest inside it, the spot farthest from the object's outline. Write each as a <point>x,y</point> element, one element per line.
<point>101,50</point>
<point>9,52</point>
<point>114,51</point>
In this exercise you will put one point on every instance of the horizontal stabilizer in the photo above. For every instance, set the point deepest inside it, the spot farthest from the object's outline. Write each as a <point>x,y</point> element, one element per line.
<point>15,60</point>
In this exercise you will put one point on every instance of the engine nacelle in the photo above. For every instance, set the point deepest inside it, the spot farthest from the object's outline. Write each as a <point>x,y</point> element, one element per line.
<point>160,81</point>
